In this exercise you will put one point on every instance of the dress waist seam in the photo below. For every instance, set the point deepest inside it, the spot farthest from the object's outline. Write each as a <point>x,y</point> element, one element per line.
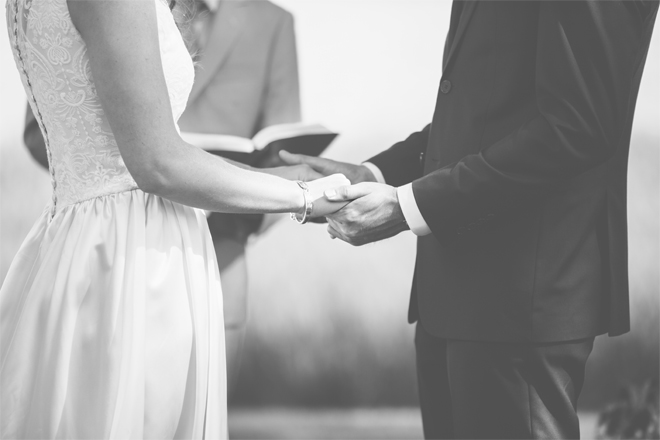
<point>61,206</point>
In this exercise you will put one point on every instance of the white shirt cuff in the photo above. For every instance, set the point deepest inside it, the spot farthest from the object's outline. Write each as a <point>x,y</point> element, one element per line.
<point>411,211</point>
<point>378,174</point>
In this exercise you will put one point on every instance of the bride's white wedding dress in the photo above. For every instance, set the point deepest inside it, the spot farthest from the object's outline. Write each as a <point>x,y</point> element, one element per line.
<point>111,313</point>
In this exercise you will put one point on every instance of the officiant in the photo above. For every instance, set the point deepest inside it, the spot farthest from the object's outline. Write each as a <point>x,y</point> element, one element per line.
<point>246,79</point>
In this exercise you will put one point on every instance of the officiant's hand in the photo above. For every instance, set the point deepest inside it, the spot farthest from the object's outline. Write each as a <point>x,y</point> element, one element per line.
<point>270,159</point>
<point>373,214</point>
<point>354,173</point>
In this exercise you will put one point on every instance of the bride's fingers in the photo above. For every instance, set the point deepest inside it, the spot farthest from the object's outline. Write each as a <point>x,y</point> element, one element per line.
<point>337,180</point>
<point>323,207</point>
<point>318,187</point>
<point>308,173</point>
<point>347,193</point>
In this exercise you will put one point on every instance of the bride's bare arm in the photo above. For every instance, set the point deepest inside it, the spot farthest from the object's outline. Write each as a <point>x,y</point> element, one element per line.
<point>123,49</point>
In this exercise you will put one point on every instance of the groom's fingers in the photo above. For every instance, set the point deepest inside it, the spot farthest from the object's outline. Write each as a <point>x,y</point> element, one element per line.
<point>333,232</point>
<point>347,193</point>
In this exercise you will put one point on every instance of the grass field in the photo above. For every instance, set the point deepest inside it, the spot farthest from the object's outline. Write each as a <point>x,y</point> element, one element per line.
<point>367,424</point>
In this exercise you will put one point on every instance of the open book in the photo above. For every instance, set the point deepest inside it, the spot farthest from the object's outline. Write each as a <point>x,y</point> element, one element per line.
<point>299,137</point>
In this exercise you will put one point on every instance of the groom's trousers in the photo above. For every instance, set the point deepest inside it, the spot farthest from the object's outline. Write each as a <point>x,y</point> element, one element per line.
<point>499,390</point>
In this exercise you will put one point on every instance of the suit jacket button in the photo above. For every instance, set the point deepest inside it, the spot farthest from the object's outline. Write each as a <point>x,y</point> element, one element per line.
<point>421,157</point>
<point>445,86</point>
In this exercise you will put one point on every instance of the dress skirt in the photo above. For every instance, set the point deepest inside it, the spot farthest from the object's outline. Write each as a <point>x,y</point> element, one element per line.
<point>111,325</point>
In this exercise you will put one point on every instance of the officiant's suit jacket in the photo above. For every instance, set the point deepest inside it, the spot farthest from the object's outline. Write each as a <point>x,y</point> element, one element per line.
<point>246,79</point>
<point>521,176</point>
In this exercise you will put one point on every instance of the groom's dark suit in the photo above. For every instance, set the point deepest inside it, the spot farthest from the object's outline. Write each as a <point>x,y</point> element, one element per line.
<point>521,177</point>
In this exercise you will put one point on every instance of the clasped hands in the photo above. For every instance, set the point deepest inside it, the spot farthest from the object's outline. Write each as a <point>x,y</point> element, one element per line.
<point>371,212</point>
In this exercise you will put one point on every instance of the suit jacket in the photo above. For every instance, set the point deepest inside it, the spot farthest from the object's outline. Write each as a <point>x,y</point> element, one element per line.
<point>246,79</point>
<point>521,176</point>
<point>247,75</point>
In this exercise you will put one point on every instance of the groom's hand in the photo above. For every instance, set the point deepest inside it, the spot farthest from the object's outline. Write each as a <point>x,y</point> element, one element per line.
<point>354,173</point>
<point>374,213</point>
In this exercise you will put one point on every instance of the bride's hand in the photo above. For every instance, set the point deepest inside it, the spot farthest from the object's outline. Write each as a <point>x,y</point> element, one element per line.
<point>317,188</point>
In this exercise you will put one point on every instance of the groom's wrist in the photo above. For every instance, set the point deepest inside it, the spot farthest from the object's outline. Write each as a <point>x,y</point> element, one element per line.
<point>410,210</point>
<point>398,213</point>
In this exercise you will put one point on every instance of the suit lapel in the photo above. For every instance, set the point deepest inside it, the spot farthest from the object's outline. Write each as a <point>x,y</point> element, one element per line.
<point>227,25</point>
<point>460,22</point>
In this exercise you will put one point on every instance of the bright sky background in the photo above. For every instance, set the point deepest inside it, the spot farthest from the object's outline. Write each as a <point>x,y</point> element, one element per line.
<point>370,70</point>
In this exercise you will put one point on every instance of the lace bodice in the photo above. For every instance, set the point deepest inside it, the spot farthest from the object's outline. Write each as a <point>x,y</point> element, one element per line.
<point>52,60</point>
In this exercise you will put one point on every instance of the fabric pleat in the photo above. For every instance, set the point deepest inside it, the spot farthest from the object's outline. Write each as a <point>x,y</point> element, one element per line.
<point>111,325</point>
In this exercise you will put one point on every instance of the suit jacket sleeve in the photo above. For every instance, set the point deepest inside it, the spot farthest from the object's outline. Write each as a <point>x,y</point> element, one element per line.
<point>589,55</point>
<point>403,162</point>
<point>282,96</point>
<point>34,140</point>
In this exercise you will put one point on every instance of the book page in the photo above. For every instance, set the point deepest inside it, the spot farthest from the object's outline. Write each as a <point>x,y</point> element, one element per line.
<point>286,131</point>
